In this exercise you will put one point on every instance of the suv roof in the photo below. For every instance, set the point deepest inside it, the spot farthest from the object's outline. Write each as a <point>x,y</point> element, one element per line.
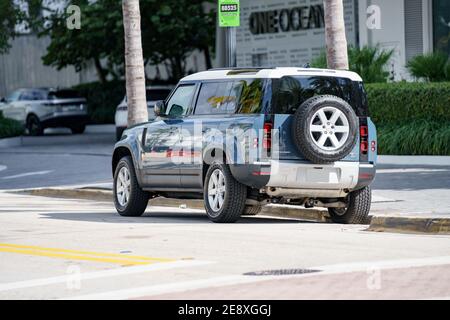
<point>277,72</point>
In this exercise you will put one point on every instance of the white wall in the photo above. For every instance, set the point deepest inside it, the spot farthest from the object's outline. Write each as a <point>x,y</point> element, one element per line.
<point>391,35</point>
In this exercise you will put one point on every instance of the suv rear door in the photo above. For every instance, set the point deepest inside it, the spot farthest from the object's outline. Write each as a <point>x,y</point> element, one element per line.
<point>291,91</point>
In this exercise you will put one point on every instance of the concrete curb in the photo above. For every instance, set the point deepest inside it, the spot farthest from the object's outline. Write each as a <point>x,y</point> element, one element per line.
<point>11,142</point>
<point>410,224</point>
<point>380,223</point>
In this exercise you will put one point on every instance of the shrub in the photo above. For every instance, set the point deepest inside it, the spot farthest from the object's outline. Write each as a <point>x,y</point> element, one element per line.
<point>102,99</point>
<point>411,118</point>
<point>433,67</point>
<point>415,138</point>
<point>403,101</point>
<point>368,62</point>
<point>10,128</point>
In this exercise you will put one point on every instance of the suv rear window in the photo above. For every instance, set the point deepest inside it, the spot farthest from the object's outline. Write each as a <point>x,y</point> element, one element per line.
<point>291,91</point>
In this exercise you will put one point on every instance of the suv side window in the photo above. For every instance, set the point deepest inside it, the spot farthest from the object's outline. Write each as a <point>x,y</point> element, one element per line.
<point>14,96</point>
<point>215,98</point>
<point>250,93</point>
<point>179,102</point>
<point>26,96</point>
<point>33,95</point>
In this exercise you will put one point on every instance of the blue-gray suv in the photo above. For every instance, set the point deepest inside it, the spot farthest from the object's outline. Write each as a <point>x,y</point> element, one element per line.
<point>245,137</point>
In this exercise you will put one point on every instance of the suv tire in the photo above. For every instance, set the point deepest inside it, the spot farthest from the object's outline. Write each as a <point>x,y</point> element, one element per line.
<point>358,208</point>
<point>252,210</point>
<point>130,200</point>
<point>224,193</point>
<point>34,126</point>
<point>325,129</point>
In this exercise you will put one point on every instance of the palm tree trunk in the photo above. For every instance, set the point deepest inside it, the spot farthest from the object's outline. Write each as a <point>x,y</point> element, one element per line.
<point>337,56</point>
<point>134,63</point>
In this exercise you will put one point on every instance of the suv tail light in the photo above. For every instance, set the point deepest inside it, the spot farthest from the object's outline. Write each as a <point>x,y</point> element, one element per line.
<point>267,137</point>
<point>364,134</point>
<point>364,131</point>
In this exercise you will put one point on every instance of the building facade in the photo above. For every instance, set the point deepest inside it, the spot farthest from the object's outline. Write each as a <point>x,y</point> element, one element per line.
<point>292,33</point>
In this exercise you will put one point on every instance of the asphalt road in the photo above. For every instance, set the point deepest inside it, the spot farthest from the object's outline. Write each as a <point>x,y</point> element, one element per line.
<point>59,158</point>
<point>79,249</point>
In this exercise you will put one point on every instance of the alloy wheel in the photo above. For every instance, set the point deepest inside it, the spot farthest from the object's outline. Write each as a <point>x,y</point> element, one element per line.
<point>123,186</point>
<point>216,190</point>
<point>329,128</point>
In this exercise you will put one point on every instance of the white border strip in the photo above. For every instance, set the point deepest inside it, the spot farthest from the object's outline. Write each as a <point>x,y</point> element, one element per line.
<point>102,274</point>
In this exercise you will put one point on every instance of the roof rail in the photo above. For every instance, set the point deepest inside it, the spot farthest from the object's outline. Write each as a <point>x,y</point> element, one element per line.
<point>241,68</point>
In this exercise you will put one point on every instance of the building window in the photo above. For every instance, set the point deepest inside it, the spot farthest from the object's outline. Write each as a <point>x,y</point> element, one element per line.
<point>441,25</point>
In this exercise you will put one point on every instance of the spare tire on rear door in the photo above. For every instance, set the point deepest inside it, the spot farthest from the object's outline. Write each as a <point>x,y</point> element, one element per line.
<point>325,129</point>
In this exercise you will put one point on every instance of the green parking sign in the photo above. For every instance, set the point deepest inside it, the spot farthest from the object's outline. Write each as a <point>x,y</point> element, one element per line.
<point>229,13</point>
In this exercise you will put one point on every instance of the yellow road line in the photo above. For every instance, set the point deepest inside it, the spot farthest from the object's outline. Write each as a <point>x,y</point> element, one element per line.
<point>4,246</point>
<point>73,256</point>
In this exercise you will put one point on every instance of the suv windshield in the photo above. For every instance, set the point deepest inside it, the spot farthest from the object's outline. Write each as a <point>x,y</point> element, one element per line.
<point>291,91</point>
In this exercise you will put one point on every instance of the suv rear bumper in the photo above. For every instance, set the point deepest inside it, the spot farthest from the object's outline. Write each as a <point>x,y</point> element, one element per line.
<point>291,178</point>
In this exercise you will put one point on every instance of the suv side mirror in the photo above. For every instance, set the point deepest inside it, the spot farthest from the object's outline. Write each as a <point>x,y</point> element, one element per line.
<point>160,108</point>
<point>3,100</point>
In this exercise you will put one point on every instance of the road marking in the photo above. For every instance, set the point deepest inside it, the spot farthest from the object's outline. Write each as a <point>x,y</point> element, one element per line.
<point>102,274</point>
<point>67,254</point>
<point>241,279</point>
<point>35,173</point>
<point>92,253</point>
<point>3,168</point>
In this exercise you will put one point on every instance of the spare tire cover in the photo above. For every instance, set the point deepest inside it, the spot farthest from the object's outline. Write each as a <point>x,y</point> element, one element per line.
<point>325,129</point>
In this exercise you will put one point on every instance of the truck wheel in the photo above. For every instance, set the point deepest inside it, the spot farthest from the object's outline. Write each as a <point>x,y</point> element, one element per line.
<point>34,126</point>
<point>357,210</point>
<point>252,210</point>
<point>129,199</point>
<point>224,196</point>
<point>324,129</point>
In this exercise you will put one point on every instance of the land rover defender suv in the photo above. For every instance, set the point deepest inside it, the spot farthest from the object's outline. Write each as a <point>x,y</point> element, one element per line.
<point>245,137</point>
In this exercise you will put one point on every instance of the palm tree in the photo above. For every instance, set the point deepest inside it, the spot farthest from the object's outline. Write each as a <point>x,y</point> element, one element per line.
<point>134,63</point>
<point>337,57</point>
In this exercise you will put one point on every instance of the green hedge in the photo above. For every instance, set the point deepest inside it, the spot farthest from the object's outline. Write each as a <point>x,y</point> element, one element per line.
<point>411,118</point>
<point>102,99</point>
<point>402,102</point>
<point>10,128</point>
